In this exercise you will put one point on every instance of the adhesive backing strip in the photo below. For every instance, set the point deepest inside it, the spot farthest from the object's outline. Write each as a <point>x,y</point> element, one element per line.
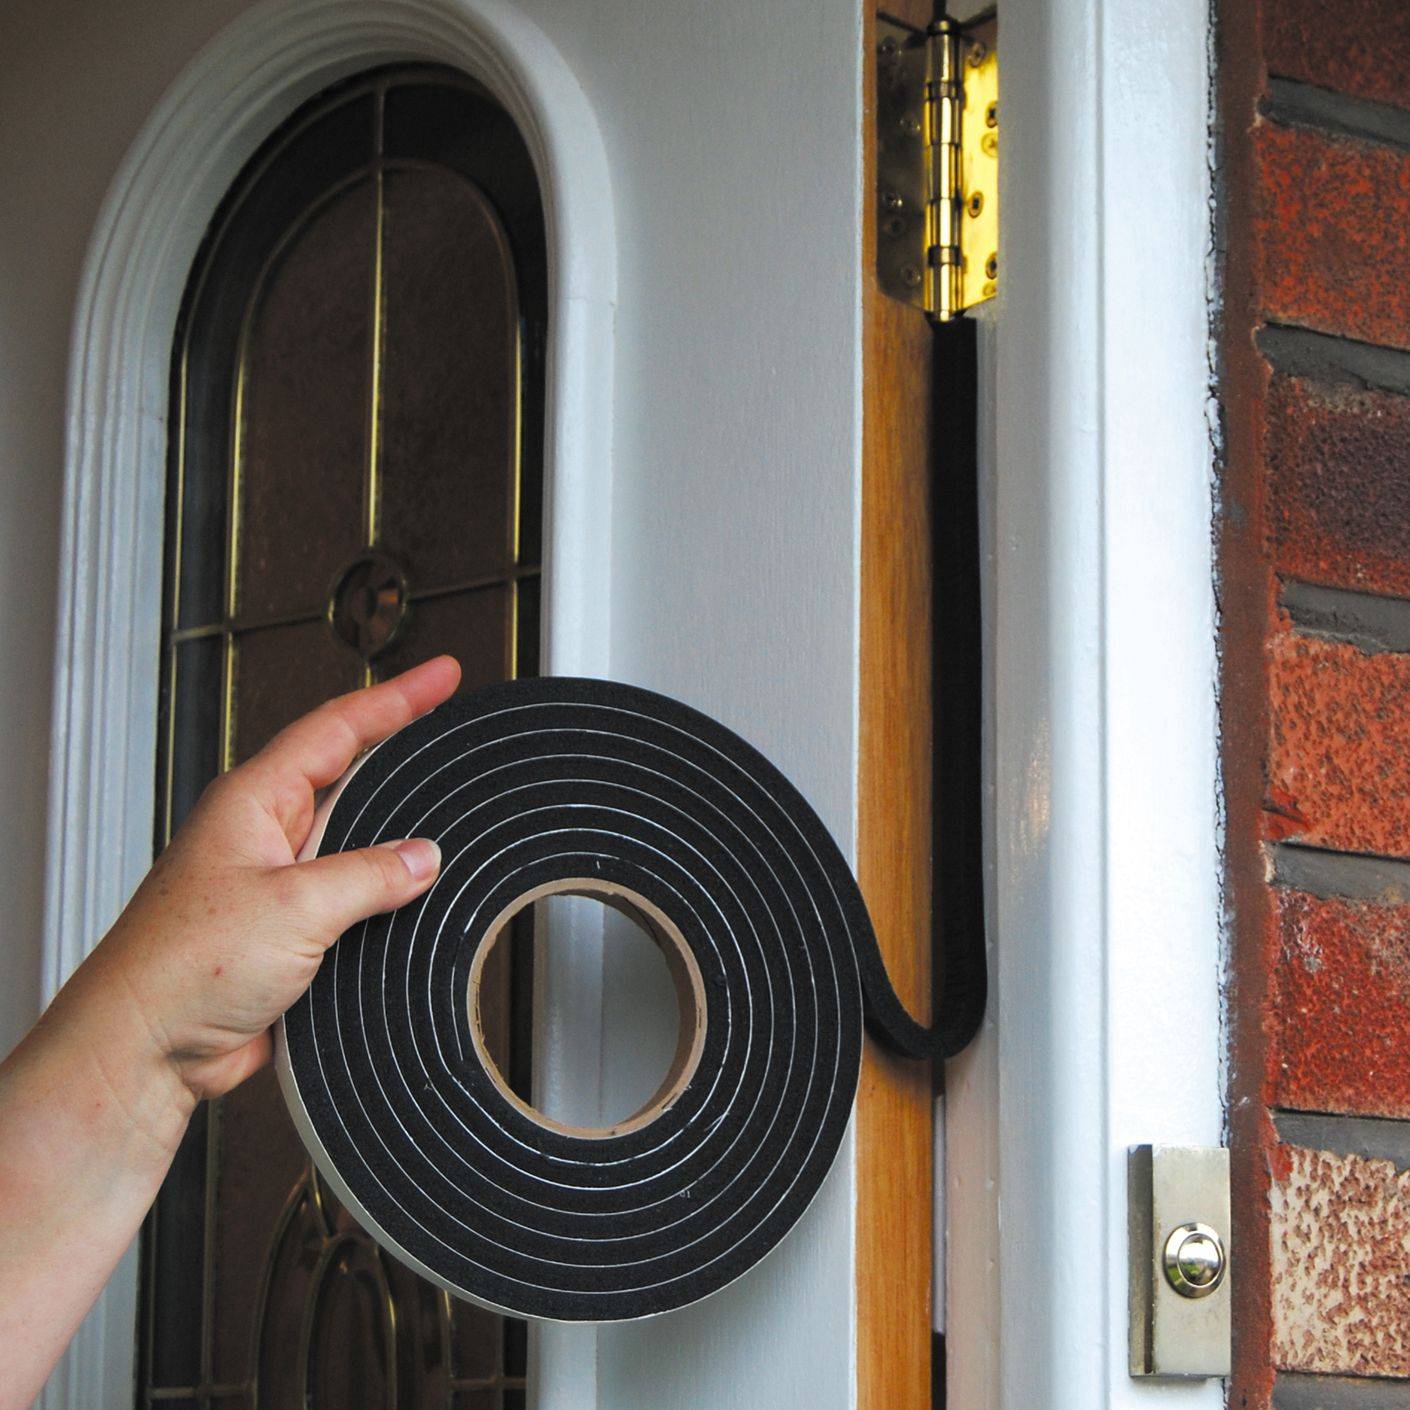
<point>551,785</point>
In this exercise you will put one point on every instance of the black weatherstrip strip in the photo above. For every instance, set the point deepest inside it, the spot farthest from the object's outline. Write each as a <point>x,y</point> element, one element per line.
<point>961,959</point>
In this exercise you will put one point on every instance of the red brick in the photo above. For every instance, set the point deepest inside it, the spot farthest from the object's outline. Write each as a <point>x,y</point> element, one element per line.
<point>1332,232</point>
<point>1341,1039</point>
<point>1339,753</point>
<point>1339,491</point>
<point>1339,1234</point>
<point>1361,49</point>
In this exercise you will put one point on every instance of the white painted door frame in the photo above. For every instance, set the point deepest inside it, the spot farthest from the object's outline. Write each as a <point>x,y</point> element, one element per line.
<point>1098,449</point>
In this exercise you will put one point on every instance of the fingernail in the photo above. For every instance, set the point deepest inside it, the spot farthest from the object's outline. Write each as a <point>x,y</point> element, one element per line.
<point>420,855</point>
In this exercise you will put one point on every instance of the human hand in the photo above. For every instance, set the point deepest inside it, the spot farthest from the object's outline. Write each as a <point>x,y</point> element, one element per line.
<point>227,930</point>
<point>175,1004</point>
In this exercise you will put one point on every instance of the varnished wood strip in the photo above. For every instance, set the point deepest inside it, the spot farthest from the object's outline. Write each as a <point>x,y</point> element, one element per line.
<point>895,1102</point>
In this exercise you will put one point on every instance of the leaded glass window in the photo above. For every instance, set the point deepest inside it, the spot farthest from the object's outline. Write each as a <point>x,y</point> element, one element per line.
<point>355,485</point>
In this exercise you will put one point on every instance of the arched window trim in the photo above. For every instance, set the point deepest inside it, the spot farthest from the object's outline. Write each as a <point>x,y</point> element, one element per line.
<point>229,98</point>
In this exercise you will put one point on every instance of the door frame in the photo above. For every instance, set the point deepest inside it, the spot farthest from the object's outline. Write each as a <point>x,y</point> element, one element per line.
<point>1098,456</point>
<point>228,99</point>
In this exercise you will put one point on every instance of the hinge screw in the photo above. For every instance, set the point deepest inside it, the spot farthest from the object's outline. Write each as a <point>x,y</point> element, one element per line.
<point>991,115</point>
<point>991,267</point>
<point>975,204</point>
<point>888,46</point>
<point>910,126</point>
<point>910,276</point>
<point>894,201</point>
<point>977,54</point>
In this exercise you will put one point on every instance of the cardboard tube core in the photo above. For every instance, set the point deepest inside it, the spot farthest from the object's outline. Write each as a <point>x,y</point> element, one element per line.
<point>685,977</point>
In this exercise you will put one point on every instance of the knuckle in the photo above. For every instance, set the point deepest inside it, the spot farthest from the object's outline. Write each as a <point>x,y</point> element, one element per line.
<point>389,869</point>
<point>221,786</point>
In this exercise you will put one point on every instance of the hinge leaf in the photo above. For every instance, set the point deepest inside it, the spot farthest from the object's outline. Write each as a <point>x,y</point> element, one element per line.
<point>978,194</point>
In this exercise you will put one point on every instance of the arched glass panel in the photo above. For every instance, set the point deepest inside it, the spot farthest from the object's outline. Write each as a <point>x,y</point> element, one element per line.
<point>355,485</point>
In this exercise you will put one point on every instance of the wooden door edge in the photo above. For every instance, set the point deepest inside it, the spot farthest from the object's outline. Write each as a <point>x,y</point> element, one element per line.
<point>895,1103</point>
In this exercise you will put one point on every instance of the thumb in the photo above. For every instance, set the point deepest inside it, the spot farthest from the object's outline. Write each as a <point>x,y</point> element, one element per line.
<point>346,887</point>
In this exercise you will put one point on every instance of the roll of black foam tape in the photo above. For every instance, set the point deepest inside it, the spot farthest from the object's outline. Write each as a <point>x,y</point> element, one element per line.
<point>557,785</point>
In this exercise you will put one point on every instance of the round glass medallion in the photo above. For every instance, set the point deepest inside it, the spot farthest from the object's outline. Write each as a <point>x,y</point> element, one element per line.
<point>368,604</point>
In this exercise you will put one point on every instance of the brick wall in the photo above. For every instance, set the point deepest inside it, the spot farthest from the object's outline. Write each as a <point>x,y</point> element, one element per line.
<point>1314,384</point>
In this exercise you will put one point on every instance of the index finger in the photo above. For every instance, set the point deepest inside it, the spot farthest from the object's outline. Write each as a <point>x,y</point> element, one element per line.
<point>316,750</point>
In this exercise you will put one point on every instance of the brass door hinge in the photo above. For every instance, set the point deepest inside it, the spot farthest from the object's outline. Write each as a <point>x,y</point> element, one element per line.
<point>937,164</point>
